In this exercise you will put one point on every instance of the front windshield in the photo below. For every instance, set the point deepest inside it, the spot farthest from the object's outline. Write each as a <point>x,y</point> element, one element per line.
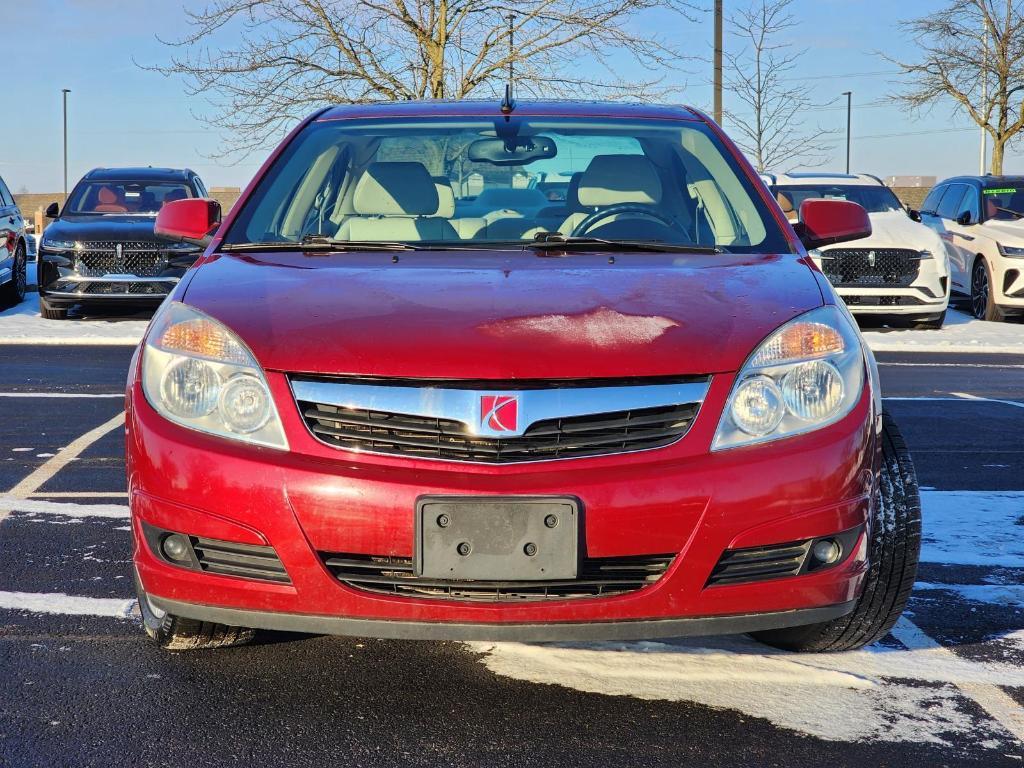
<point>125,197</point>
<point>1004,203</point>
<point>874,199</point>
<point>485,182</point>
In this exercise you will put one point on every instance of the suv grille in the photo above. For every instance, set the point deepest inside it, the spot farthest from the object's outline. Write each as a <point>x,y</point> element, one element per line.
<point>891,267</point>
<point>428,437</point>
<point>597,577</point>
<point>100,258</point>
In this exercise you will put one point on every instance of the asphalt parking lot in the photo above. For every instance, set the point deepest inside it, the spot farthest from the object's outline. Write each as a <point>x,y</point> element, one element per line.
<point>82,685</point>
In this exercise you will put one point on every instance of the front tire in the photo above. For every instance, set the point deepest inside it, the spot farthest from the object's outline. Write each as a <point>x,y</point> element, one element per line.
<point>49,312</point>
<point>983,304</point>
<point>176,633</point>
<point>13,293</point>
<point>894,546</point>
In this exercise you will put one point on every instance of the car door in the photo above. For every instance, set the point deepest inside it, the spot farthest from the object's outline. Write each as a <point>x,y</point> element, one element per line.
<point>10,226</point>
<point>942,205</point>
<point>963,229</point>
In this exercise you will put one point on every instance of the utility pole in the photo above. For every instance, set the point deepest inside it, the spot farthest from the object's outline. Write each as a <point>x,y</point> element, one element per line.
<point>718,62</point>
<point>65,91</point>
<point>849,96</point>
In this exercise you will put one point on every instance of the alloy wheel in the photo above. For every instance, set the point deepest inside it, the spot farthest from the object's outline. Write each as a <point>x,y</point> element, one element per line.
<point>20,276</point>
<point>979,290</point>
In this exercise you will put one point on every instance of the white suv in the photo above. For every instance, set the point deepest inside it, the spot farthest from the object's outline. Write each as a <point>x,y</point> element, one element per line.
<point>901,269</point>
<point>982,220</point>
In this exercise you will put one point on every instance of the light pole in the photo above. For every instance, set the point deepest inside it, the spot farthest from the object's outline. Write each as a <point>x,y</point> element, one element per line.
<point>65,91</point>
<point>849,96</point>
<point>984,106</point>
<point>718,62</point>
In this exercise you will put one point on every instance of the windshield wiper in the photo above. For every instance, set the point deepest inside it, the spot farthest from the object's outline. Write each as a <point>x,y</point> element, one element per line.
<point>1018,214</point>
<point>551,241</point>
<point>317,243</point>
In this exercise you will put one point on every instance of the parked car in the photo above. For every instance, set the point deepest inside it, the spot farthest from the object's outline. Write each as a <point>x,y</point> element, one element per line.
<point>901,270</point>
<point>101,250</point>
<point>13,249</point>
<point>656,420</point>
<point>980,217</point>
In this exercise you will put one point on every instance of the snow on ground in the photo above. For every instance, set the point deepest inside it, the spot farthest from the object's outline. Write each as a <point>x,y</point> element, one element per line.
<point>23,325</point>
<point>885,692</point>
<point>961,333</point>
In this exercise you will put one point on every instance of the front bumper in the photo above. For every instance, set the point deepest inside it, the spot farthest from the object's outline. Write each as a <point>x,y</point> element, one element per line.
<point>679,499</point>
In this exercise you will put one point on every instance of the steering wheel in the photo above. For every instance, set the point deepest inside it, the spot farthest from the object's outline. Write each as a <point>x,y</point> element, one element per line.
<point>612,210</point>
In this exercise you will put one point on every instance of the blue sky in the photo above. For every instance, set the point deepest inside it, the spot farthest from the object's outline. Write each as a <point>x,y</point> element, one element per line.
<point>122,115</point>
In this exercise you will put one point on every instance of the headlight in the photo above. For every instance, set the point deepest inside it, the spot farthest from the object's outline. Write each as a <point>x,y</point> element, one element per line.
<point>809,373</point>
<point>1011,252</point>
<point>182,247</point>
<point>197,373</point>
<point>925,254</point>
<point>57,245</point>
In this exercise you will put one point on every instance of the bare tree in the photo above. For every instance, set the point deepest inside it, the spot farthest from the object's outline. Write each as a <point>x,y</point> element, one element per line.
<point>770,112</point>
<point>971,51</point>
<point>294,55</point>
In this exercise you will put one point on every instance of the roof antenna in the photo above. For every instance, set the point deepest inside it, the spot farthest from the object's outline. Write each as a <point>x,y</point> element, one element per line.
<point>509,103</point>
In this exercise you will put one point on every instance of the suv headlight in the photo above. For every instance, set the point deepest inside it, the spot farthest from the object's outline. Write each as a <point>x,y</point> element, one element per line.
<point>57,245</point>
<point>809,373</point>
<point>197,373</point>
<point>1010,251</point>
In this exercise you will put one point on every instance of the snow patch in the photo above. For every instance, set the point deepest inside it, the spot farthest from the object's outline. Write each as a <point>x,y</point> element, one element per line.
<point>22,324</point>
<point>1009,595</point>
<point>972,528</point>
<point>68,605</point>
<point>603,327</point>
<point>960,333</point>
<point>63,509</point>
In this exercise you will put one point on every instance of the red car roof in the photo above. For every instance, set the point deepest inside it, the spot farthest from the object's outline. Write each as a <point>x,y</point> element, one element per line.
<point>492,107</point>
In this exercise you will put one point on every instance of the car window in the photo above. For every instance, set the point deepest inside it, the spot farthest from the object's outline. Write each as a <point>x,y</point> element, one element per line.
<point>124,197</point>
<point>874,199</point>
<point>950,202</point>
<point>931,202</point>
<point>1001,202</point>
<point>969,205</point>
<point>5,195</point>
<point>493,181</point>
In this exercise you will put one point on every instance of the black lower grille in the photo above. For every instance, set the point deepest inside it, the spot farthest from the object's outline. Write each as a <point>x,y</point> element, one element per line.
<point>230,559</point>
<point>593,435</point>
<point>142,288</point>
<point>883,267</point>
<point>882,301</point>
<point>597,577</point>
<point>741,566</point>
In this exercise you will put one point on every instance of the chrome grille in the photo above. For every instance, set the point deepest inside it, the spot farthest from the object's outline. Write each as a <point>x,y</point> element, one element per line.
<point>597,577</point>
<point>429,437</point>
<point>100,258</point>
<point>880,267</point>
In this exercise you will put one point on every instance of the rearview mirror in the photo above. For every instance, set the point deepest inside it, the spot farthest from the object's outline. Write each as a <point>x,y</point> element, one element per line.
<point>825,222</point>
<point>194,220</point>
<point>964,219</point>
<point>514,150</point>
<point>914,215</point>
<point>52,211</point>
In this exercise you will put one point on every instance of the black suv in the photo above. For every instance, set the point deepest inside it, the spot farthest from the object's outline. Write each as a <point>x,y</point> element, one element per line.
<point>101,248</point>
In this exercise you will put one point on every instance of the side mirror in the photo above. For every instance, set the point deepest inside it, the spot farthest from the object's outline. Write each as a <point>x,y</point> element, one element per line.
<point>825,222</point>
<point>914,215</point>
<point>194,220</point>
<point>52,211</point>
<point>964,219</point>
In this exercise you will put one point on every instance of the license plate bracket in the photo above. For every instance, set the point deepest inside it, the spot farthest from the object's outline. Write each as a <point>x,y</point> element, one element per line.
<point>498,532</point>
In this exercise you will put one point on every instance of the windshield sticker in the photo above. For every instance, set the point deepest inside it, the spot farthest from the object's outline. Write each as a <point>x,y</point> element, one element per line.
<point>1004,191</point>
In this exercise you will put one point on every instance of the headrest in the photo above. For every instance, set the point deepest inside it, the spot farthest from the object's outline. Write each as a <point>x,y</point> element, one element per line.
<point>615,179</point>
<point>445,197</point>
<point>175,194</point>
<point>572,192</point>
<point>395,189</point>
<point>784,202</point>
<point>106,196</point>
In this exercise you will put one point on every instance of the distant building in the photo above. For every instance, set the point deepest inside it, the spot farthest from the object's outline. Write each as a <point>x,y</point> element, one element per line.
<point>911,181</point>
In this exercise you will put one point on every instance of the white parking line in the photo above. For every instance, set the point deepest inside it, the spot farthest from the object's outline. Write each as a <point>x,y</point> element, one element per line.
<point>63,394</point>
<point>38,477</point>
<point>78,495</point>
<point>966,396</point>
<point>1003,709</point>
<point>950,365</point>
<point>954,397</point>
<point>69,605</point>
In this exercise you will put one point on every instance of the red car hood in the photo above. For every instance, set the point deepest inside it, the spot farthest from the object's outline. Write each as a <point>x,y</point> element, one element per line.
<point>501,315</point>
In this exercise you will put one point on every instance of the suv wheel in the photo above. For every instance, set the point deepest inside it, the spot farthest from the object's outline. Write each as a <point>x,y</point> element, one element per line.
<point>176,633</point>
<point>983,304</point>
<point>48,312</point>
<point>14,291</point>
<point>893,549</point>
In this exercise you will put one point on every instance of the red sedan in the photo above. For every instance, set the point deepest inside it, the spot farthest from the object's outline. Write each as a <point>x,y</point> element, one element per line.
<point>404,394</point>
